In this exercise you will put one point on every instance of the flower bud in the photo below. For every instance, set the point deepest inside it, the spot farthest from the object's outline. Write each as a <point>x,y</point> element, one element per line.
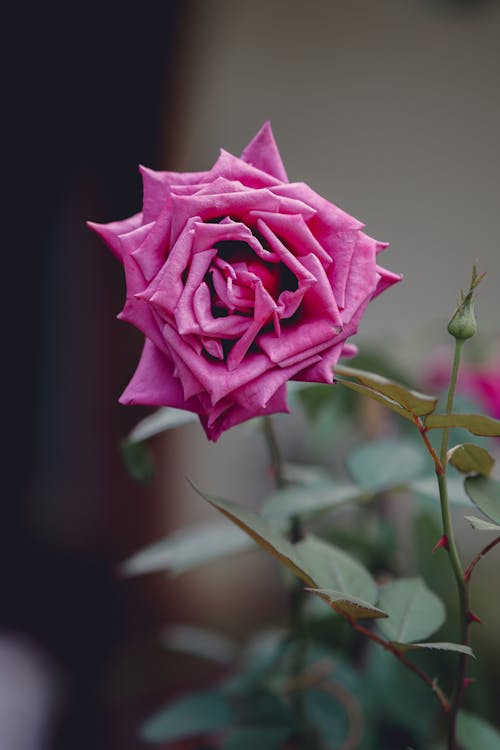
<point>463,326</point>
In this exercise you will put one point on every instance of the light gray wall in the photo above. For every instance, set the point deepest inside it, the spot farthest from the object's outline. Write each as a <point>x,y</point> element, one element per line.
<point>389,108</point>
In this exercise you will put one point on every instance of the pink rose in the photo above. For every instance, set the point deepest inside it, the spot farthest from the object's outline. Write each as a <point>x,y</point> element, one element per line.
<point>240,281</point>
<point>481,382</point>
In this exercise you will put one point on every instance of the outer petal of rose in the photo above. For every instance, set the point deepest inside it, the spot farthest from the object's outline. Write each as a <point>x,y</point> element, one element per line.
<point>257,393</point>
<point>152,250</point>
<point>235,414</point>
<point>362,279</point>
<point>387,279</point>
<point>157,186</point>
<point>190,385</point>
<point>328,213</point>
<point>232,168</point>
<point>166,288</point>
<point>136,311</point>
<point>349,350</point>
<point>153,382</point>
<point>214,376</point>
<point>111,232</point>
<point>262,152</point>
<point>322,371</point>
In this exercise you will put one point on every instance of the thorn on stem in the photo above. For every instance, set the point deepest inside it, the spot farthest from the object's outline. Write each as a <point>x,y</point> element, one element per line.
<point>468,681</point>
<point>442,544</point>
<point>471,617</point>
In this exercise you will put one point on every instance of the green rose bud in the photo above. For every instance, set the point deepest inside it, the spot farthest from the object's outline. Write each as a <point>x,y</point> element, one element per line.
<point>463,326</point>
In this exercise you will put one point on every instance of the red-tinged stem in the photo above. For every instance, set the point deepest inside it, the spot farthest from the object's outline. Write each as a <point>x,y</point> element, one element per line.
<point>423,433</point>
<point>388,646</point>
<point>479,556</point>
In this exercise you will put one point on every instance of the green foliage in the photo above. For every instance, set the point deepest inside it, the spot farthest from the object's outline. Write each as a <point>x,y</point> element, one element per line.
<point>469,458</point>
<point>332,568</point>
<point>137,461</point>
<point>166,418</point>
<point>427,488</point>
<point>475,423</point>
<point>415,612</point>
<point>377,465</point>
<point>475,733</point>
<point>196,714</point>
<point>485,494</point>
<point>436,646</point>
<point>261,532</point>
<point>263,738</point>
<point>186,549</point>
<point>351,606</point>
<point>481,525</point>
<point>311,500</point>
<point>409,403</point>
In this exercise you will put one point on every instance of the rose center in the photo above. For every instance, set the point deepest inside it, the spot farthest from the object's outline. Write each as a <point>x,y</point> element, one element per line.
<point>241,256</point>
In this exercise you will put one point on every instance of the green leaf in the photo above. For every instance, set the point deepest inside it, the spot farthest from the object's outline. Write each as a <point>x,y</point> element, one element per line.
<point>200,642</point>
<point>332,568</point>
<point>439,646</point>
<point>264,738</point>
<point>327,714</point>
<point>415,612</point>
<point>428,487</point>
<point>309,501</point>
<point>414,402</point>
<point>137,461</point>
<point>349,605</point>
<point>379,464</point>
<point>199,713</point>
<point>262,532</point>
<point>162,419</point>
<point>387,402</point>
<point>471,459</point>
<point>481,525</point>
<point>475,423</point>
<point>475,733</point>
<point>187,548</point>
<point>485,494</point>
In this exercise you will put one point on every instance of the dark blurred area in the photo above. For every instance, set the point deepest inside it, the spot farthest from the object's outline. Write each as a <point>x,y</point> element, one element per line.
<point>90,93</point>
<point>89,89</point>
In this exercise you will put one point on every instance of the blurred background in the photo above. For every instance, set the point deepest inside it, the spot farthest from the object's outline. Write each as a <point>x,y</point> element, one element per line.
<point>388,109</point>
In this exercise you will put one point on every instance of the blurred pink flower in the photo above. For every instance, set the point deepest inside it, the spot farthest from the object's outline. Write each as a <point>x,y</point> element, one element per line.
<point>480,382</point>
<point>240,281</point>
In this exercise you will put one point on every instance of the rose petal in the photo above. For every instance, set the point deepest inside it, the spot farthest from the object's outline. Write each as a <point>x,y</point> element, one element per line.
<point>111,232</point>
<point>262,152</point>
<point>214,376</point>
<point>153,382</point>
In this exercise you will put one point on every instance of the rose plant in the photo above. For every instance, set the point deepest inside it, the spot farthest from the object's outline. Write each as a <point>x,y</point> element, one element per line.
<point>242,282</point>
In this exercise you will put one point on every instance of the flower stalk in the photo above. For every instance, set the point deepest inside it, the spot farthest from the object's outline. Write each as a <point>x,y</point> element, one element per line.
<point>456,565</point>
<point>306,739</point>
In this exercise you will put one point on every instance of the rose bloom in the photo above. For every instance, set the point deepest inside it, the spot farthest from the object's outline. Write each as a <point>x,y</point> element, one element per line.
<point>480,382</point>
<point>240,282</point>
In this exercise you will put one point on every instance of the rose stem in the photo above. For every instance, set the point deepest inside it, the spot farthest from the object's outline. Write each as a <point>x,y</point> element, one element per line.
<point>478,557</point>
<point>297,592</point>
<point>463,594</point>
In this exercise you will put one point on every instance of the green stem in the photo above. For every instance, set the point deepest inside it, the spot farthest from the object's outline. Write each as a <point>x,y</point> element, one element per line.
<point>275,455</point>
<point>456,565</point>
<point>306,739</point>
